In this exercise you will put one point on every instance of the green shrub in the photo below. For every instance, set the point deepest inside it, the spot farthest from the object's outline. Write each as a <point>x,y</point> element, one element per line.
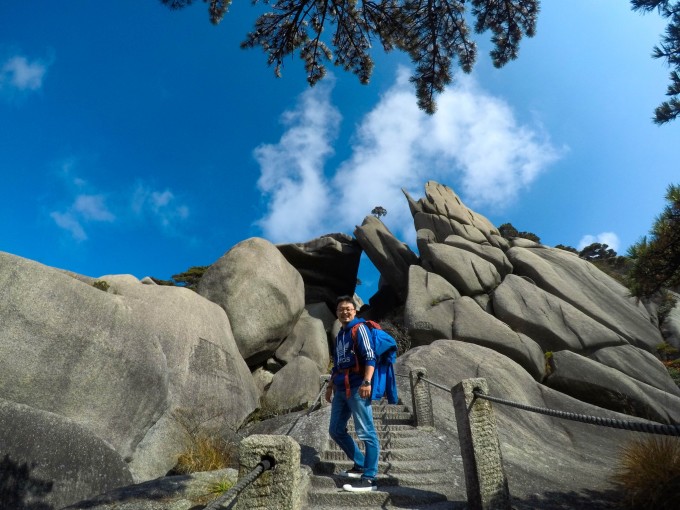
<point>666,351</point>
<point>648,473</point>
<point>667,304</point>
<point>101,285</point>
<point>549,363</point>
<point>674,372</point>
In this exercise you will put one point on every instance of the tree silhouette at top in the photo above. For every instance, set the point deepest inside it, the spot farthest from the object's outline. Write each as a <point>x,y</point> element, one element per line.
<point>669,50</point>
<point>379,211</point>
<point>434,33</point>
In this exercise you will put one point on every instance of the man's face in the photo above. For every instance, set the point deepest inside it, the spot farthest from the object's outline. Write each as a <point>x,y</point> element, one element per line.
<point>346,312</point>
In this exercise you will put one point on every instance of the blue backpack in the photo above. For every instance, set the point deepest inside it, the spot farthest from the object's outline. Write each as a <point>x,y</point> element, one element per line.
<point>384,383</point>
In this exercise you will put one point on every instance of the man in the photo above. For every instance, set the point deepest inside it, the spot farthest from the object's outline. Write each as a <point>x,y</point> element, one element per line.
<point>349,391</point>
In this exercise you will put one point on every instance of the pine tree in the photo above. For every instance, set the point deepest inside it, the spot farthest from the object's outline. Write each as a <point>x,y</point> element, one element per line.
<point>434,33</point>
<point>379,211</point>
<point>669,50</point>
<point>656,260</point>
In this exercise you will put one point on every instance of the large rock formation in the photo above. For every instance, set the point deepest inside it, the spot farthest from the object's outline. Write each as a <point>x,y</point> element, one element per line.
<point>261,292</point>
<point>129,367</point>
<point>328,266</point>
<point>391,256</point>
<point>129,364</point>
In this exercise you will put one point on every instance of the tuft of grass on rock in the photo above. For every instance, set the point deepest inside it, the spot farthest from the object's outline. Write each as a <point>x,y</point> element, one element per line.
<point>648,473</point>
<point>221,487</point>
<point>206,453</point>
<point>206,449</point>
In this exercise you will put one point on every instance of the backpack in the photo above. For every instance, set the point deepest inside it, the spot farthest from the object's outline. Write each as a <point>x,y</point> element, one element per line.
<point>384,383</point>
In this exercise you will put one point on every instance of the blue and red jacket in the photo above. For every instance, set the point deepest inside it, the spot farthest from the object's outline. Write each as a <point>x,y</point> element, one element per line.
<point>348,365</point>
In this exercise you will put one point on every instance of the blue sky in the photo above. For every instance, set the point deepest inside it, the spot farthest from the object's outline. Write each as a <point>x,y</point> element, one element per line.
<point>139,140</point>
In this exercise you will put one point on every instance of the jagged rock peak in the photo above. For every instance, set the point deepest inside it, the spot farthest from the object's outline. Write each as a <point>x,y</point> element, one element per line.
<point>443,201</point>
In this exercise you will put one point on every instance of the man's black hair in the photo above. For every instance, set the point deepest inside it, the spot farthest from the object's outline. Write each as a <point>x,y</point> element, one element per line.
<point>341,299</point>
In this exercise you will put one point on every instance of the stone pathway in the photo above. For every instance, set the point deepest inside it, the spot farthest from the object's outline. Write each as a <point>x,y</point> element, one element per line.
<point>414,471</point>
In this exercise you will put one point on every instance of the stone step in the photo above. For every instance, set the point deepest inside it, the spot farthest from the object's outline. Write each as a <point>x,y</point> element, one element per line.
<point>440,505</point>
<point>392,415</point>
<point>413,453</point>
<point>392,467</point>
<point>383,426</point>
<point>444,479</point>
<point>386,496</point>
<point>388,441</point>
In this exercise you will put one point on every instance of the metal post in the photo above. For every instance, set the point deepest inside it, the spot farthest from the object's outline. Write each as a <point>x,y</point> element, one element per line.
<point>421,398</point>
<point>485,480</point>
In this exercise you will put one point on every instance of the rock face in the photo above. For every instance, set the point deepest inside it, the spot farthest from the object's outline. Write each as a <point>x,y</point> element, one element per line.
<point>307,339</point>
<point>328,266</point>
<point>474,325</point>
<point>261,292</point>
<point>544,457</point>
<point>428,314</point>
<point>552,322</point>
<point>48,459</point>
<point>598,384</point>
<point>124,363</point>
<point>388,254</point>
<point>588,289</point>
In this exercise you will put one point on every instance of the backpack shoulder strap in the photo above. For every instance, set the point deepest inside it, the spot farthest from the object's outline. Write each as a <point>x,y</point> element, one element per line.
<point>368,323</point>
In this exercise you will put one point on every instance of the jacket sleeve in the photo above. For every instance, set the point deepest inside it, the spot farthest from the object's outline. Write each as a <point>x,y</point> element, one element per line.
<point>365,345</point>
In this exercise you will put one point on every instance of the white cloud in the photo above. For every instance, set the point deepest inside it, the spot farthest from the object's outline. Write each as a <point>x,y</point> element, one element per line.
<point>88,208</point>
<point>67,221</point>
<point>161,205</point>
<point>84,209</point>
<point>292,170</point>
<point>18,74</point>
<point>608,238</point>
<point>92,207</point>
<point>473,143</point>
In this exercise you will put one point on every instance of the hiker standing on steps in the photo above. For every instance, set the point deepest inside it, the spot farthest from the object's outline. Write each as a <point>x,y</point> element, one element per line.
<point>349,391</point>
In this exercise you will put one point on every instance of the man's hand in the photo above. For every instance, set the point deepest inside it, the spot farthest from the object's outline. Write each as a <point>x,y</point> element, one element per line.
<point>329,393</point>
<point>365,391</point>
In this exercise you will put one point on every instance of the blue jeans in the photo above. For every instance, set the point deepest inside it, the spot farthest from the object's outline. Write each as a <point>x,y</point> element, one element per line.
<point>362,413</point>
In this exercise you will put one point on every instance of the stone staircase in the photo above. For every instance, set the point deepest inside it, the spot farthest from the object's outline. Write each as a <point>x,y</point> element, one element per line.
<point>413,470</point>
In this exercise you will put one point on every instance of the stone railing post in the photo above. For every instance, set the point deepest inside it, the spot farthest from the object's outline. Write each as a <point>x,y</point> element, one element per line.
<point>485,480</point>
<point>421,398</point>
<point>279,487</point>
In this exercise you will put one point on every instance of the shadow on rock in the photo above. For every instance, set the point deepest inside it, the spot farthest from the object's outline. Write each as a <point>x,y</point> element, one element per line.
<point>584,500</point>
<point>18,487</point>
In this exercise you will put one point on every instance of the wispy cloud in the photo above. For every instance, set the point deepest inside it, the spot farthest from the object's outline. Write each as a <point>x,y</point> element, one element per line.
<point>84,209</point>
<point>19,75</point>
<point>89,208</point>
<point>474,143</point>
<point>292,170</point>
<point>608,238</point>
<point>162,206</point>
<point>69,222</point>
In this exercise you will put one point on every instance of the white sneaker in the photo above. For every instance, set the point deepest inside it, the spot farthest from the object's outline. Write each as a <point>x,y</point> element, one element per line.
<point>351,473</point>
<point>363,485</point>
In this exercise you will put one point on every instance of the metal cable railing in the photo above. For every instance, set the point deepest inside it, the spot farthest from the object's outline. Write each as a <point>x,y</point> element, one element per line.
<point>650,428</point>
<point>637,426</point>
<point>231,494</point>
